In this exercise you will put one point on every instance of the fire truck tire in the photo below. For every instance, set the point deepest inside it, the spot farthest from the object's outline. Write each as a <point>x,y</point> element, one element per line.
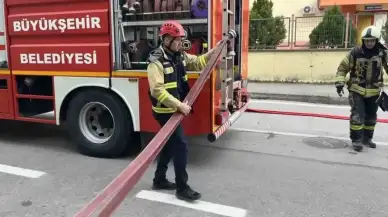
<point>100,124</point>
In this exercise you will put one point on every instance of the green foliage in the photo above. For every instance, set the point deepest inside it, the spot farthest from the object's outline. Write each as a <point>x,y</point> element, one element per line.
<point>265,30</point>
<point>330,32</point>
<point>384,32</point>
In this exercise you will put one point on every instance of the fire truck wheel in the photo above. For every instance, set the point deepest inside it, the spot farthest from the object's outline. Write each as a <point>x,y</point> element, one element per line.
<point>100,124</point>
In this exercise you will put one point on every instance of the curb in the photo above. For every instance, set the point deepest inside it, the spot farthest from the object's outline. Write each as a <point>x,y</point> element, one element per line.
<point>301,98</point>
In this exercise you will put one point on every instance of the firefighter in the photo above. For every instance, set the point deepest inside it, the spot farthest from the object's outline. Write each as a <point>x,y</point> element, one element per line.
<point>365,65</point>
<point>168,88</point>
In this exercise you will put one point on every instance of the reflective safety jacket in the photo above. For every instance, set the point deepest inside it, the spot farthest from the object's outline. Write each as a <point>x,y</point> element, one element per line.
<point>168,79</point>
<point>366,73</point>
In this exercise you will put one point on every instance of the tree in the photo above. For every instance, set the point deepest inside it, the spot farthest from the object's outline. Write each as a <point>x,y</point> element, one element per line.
<point>265,30</point>
<point>330,32</point>
<point>384,33</point>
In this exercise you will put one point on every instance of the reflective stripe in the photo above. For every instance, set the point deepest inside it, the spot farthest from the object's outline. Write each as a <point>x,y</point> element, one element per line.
<point>185,78</point>
<point>369,127</point>
<point>163,96</point>
<point>184,62</point>
<point>360,127</point>
<point>202,61</point>
<point>357,89</point>
<point>168,70</point>
<point>356,127</point>
<point>163,110</point>
<point>170,85</point>
<point>167,64</point>
<point>340,78</point>
<point>372,92</point>
<point>165,93</point>
<point>364,91</point>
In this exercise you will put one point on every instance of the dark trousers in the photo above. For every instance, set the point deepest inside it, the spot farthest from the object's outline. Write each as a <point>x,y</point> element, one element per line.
<point>175,148</point>
<point>363,116</point>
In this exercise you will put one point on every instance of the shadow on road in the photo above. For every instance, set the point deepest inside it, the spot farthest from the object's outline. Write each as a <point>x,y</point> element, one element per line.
<point>36,134</point>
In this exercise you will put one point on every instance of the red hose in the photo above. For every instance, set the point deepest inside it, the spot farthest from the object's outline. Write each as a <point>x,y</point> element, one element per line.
<point>306,114</point>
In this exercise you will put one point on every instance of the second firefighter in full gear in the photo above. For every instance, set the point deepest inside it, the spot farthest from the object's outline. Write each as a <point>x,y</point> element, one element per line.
<point>365,66</point>
<point>168,88</point>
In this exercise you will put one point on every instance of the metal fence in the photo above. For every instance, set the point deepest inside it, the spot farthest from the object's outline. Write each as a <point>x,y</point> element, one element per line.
<point>316,32</point>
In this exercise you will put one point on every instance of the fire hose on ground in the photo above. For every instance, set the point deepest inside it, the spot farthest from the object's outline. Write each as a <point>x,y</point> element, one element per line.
<point>305,114</point>
<point>111,197</point>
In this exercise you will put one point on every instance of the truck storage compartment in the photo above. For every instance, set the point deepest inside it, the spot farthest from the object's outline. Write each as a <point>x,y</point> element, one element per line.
<point>138,24</point>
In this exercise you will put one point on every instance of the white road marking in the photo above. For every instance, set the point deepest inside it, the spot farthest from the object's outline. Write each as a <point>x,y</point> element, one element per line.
<point>298,134</point>
<point>276,102</point>
<point>20,171</point>
<point>198,205</point>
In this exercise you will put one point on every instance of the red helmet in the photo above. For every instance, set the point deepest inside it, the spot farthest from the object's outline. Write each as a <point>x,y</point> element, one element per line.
<point>173,28</point>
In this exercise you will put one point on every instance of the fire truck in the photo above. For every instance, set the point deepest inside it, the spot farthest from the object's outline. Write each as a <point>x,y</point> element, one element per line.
<point>82,64</point>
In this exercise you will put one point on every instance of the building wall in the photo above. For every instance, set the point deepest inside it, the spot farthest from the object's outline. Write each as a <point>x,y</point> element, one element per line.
<point>376,18</point>
<point>295,66</point>
<point>362,7</point>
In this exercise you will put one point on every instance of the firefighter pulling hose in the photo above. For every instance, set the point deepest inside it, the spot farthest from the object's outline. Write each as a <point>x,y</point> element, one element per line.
<point>168,88</point>
<point>111,197</point>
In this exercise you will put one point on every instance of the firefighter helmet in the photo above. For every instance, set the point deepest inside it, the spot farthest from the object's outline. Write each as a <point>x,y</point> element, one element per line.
<point>173,28</point>
<point>382,101</point>
<point>371,32</point>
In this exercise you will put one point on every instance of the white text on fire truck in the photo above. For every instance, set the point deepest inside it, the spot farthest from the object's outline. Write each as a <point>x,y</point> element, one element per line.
<point>62,25</point>
<point>59,58</point>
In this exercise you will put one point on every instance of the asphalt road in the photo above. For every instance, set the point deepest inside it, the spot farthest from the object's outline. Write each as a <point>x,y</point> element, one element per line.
<point>263,166</point>
<point>305,125</point>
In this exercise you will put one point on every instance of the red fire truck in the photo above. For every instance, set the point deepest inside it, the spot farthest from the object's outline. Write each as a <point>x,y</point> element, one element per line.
<point>82,64</point>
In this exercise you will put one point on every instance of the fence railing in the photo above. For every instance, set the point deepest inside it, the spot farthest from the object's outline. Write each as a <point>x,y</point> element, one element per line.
<point>315,32</point>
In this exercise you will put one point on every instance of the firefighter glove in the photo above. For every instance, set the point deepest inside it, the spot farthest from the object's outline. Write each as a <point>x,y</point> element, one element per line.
<point>340,88</point>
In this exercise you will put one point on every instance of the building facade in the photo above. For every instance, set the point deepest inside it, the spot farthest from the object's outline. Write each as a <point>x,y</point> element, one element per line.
<point>366,12</point>
<point>363,13</point>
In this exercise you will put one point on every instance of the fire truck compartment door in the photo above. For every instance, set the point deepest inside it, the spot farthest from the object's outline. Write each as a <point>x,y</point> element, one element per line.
<point>5,95</point>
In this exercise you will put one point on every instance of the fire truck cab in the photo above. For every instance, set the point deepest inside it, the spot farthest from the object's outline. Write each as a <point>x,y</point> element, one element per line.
<point>82,64</point>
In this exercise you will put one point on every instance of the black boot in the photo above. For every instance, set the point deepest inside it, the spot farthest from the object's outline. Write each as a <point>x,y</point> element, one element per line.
<point>368,136</point>
<point>357,146</point>
<point>188,194</point>
<point>163,185</point>
<point>357,137</point>
<point>370,144</point>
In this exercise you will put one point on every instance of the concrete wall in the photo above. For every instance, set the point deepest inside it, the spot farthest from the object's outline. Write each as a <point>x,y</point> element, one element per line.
<point>295,66</point>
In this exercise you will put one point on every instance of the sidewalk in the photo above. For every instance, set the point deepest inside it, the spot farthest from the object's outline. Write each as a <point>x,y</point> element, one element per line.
<point>313,93</point>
